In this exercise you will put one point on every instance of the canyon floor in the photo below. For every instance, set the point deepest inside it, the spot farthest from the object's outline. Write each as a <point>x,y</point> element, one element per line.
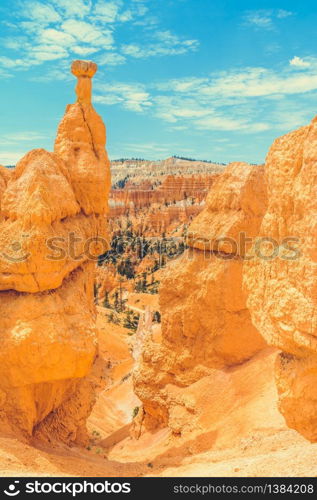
<point>249,439</point>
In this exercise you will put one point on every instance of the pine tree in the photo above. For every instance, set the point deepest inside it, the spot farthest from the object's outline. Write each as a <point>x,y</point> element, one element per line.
<point>144,282</point>
<point>131,320</point>
<point>157,317</point>
<point>106,302</point>
<point>128,319</point>
<point>96,290</point>
<point>116,301</point>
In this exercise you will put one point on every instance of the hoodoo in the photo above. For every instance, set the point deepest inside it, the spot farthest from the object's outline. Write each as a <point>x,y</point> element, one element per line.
<point>48,335</point>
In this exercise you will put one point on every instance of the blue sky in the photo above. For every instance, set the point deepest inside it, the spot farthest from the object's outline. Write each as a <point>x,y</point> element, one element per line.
<point>210,79</point>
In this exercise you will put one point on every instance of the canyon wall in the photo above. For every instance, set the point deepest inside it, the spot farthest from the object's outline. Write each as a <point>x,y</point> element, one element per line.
<point>134,171</point>
<point>206,326</point>
<point>248,279</point>
<point>52,217</point>
<point>281,278</point>
<point>173,188</point>
<point>159,206</point>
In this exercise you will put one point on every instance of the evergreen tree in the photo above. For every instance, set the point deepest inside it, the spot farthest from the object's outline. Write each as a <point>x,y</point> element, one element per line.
<point>156,266</point>
<point>106,302</point>
<point>116,301</point>
<point>131,320</point>
<point>113,318</point>
<point>138,286</point>
<point>144,282</point>
<point>157,317</point>
<point>96,290</point>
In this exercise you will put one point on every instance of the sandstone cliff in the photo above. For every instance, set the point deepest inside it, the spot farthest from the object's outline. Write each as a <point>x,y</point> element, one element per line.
<point>161,205</point>
<point>206,326</point>
<point>135,171</point>
<point>52,204</point>
<point>170,190</point>
<point>281,278</point>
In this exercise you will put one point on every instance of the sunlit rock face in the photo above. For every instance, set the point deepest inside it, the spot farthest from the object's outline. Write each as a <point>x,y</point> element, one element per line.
<point>282,282</point>
<point>48,334</point>
<point>206,325</point>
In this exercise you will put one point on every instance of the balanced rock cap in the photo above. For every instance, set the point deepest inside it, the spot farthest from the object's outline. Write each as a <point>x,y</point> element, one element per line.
<point>84,68</point>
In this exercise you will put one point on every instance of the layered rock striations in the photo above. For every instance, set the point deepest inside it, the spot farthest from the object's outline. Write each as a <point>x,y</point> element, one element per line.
<point>52,219</point>
<point>176,187</point>
<point>281,278</point>
<point>136,171</point>
<point>161,206</point>
<point>170,190</point>
<point>206,325</point>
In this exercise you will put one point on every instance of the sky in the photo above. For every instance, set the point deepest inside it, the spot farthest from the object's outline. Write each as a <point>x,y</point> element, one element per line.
<point>208,79</point>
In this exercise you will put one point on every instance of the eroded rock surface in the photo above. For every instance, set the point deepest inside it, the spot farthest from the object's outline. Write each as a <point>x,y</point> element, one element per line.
<point>206,325</point>
<point>52,219</point>
<point>281,279</point>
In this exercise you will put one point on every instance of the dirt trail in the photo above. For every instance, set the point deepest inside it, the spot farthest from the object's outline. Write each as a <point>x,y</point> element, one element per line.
<point>248,439</point>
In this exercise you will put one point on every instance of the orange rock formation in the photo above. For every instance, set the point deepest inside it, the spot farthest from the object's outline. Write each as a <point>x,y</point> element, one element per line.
<point>138,171</point>
<point>281,279</point>
<point>48,338</point>
<point>206,325</point>
<point>161,205</point>
<point>173,188</point>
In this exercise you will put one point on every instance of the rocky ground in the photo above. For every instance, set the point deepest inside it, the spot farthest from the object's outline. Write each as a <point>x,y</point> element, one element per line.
<point>249,438</point>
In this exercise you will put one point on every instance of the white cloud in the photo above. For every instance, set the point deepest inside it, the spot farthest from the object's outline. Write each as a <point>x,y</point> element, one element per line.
<point>260,19</point>
<point>40,12</point>
<point>132,50</point>
<point>126,16</point>
<point>55,74</point>
<point>111,59</point>
<point>11,140</point>
<point>21,136</point>
<point>10,157</point>
<point>31,28</point>
<point>181,85</point>
<point>146,148</point>
<point>61,29</point>
<point>133,97</point>
<point>236,100</point>
<point>282,13</point>
<point>258,82</point>
<point>165,44</point>
<point>14,43</point>
<point>88,33</point>
<point>107,11</point>
<point>113,11</point>
<point>5,73</point>
<point>74,8</point>
<point>49,52</point>
<point>298,62</point>
<point>84,51</point>
<point>228,124</point>
<point>51,35</point>
<point>284,120</point>
<point>216,122</point>
<point>265,18</point>
<point>6,62</point>
<point>203,114</point>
